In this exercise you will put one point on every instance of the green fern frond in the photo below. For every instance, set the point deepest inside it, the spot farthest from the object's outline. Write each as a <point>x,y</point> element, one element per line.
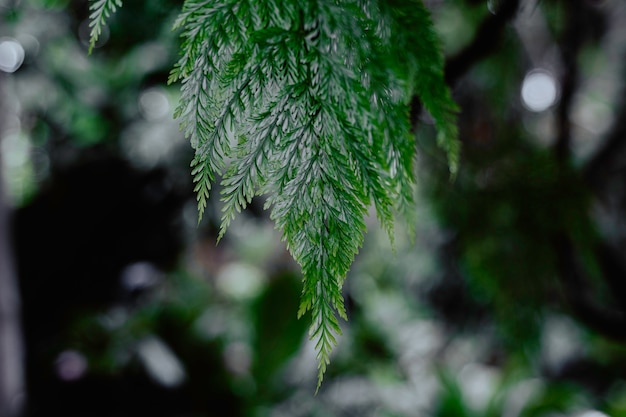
<point>100,11</point>
<point>428,78</point>
<point>308,103</point>
<point>247,172</point>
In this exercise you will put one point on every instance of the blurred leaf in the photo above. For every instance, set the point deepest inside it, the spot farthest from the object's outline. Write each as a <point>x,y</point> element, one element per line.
<point>277,335</point>
<point>450,402</point>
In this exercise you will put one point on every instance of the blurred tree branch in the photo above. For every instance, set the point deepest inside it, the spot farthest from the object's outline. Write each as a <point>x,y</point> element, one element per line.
<point>486,40</point>
<point>608,322</point>
<point>569,46</point>
<point>604,162</point>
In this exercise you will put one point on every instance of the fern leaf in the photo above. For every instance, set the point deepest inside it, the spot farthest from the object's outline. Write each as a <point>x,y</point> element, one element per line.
<point>247,172</point>
<point>308,104</point>
<point>428,77</point>
<point>100,11</point>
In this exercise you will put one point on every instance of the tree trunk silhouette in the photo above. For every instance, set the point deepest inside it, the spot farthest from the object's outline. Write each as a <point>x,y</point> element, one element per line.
<point>11,352</point>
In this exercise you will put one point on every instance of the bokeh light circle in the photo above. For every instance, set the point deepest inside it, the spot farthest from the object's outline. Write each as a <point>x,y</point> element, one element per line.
<point>11,55</point>
<point>539,90</point>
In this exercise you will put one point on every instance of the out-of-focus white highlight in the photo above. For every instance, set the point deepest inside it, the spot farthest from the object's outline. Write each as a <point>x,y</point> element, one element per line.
<point>11,55</point>
<point>153,104</point>
<point>493,6</point>
<point>71,365</point>
<point>238,358</point>
<point>591,413</point>
<point>539,90</point>
<point>160,362</point>
<point>140,276</point>
<point>478,383</point>
<point>240,281</point>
